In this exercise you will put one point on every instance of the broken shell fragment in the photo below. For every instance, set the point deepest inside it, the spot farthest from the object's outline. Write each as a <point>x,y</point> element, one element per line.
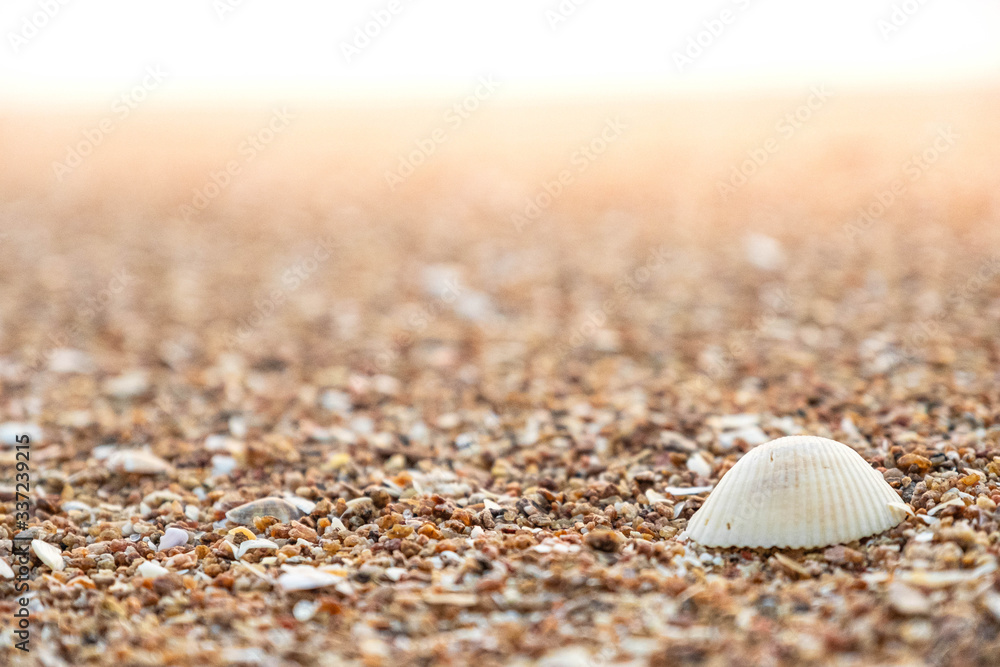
<point>48,554</point>
<point>173,537</point>
<point>279,508</point>
<point>797,492</point>
<point>254,544</point>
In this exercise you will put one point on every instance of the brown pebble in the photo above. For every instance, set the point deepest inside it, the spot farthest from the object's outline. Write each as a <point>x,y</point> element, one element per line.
<point>841,555</point>
<point>300,531</point>
<point>907,460</point>
<point>604,540</point>
<point>379,496</point>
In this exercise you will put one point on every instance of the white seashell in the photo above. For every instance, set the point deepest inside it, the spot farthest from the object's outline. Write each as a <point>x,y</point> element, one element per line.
<point>151,570</point>
<point>279,508</point>
<point>137,461</point>
<point>255,544</point>
<point>173,537</point>
<point>48,554</point>
<point>5,570</point>
<point>797,492</point>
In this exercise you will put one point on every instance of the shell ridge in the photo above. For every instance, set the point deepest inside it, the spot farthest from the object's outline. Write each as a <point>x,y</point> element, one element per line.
<point>882,520</point>
<point>858,487</point>
<point>838,501</point>
<point>816,502</point>
<point>737,483</point>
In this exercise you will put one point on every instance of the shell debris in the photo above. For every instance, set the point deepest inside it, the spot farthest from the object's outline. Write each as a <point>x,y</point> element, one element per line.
<point>173,537</point>
<point>279,508</point>
<point>254,544</point>
<point>48,554</point>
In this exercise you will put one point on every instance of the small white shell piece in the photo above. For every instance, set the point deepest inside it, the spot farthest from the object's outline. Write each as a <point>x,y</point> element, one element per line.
<point>49,554</point>
<point>797,492</point>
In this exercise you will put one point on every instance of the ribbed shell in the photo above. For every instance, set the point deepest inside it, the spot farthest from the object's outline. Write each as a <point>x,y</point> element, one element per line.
<point>797,492</point>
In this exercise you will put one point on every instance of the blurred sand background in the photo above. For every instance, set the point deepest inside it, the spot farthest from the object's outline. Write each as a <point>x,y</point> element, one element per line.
<point>658,182</point>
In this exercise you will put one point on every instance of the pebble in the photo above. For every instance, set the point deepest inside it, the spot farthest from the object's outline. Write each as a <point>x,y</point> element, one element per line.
<point>67,360</point>
<point>906,460</point>
<point>127,385</point>
<point>907,600</point>
<point>137,461</point>
<point>764,251</point>
<point>151,570</point>
<point>604,540</point>
<point>304,610</point>
<point>223,465</point>
<point>451,599</point>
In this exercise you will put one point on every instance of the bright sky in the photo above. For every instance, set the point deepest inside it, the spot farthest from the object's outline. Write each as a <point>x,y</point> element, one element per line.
<point>94,51</point>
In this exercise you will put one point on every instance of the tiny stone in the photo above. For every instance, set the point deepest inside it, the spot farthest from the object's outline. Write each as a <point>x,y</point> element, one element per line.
<point>604,540</point>
<point>907,600</point>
